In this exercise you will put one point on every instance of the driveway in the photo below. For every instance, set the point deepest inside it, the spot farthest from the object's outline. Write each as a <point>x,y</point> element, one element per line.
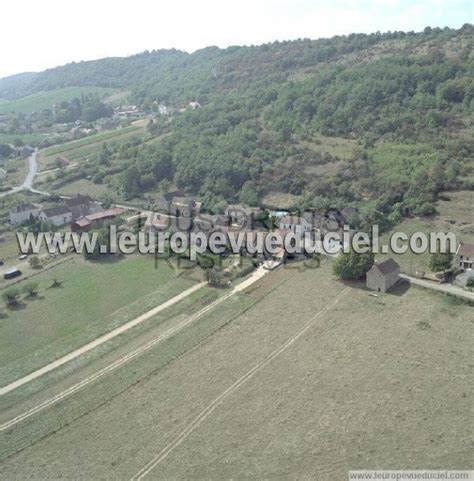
<point>446,288</point>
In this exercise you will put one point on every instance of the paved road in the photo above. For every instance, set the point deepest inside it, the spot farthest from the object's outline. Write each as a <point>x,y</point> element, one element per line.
<point>446,288</point>
<point>29,179</point>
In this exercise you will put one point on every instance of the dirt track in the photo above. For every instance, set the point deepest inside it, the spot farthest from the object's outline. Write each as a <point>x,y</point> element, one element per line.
<point>373,383</point>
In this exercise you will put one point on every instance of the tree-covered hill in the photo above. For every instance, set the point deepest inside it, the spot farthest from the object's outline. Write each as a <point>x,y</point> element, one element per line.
<point>399,103</point>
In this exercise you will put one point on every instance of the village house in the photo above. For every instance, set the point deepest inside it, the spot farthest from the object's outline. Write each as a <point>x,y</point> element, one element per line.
<point>209,222</point>
<point>24,212</point>
<point>127,112</point>
<point>242,216</point>
<point>91,221</point>
<point>297,224</point>
<point>184,207</point>
<point>158,221</point>
<point>382,276</point>
<point>194,105</point>
<point>82,205</point>
<point>162,202</point>
<point>465,256</point>
<point>58,216</point>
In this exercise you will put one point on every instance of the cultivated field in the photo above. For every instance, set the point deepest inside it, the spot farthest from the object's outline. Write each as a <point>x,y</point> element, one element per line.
<point>79,149</point>
<point>45,100</point>
<point>299,378</point>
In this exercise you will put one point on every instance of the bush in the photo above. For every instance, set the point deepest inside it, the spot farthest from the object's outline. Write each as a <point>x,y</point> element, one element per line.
<point>31,289</point>
<point>11,297</point>
<point>441,262</point>
<point>56,283</point>
<point>34,262</point>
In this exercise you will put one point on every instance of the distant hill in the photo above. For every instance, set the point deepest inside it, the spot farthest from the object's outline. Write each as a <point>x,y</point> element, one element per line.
<point>398,104</point>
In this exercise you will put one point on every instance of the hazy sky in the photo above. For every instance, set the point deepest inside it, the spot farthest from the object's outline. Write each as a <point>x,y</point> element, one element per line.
<point>38,34</point>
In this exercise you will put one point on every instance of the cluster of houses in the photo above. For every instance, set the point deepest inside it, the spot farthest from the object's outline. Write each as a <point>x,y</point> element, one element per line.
<point>175,211</point>
<point>166,110</point>
<point>81,212</point>
<point>127,112</point>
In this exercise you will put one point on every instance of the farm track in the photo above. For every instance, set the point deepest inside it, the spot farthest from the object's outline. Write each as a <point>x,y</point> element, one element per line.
<point>97,342</point>
<point>258,274</point>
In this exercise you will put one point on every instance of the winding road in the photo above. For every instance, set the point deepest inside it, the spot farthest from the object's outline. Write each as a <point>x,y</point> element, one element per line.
<point>30,177</point>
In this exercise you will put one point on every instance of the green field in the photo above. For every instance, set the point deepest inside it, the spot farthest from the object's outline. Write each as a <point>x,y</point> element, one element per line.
<point>85,187</point>
<point>94,298</point>
<point>34,138</point>
<point>76,144</point>
<point>454,215</point>
<point>45,100</point>
<point>370,383</point>
<point>79,149</point>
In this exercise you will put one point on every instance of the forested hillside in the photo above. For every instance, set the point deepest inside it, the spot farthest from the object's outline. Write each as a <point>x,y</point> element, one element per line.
<point>398,104</point>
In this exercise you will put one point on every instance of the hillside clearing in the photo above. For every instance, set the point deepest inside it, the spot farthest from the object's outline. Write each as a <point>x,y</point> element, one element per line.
<point>46,100</point>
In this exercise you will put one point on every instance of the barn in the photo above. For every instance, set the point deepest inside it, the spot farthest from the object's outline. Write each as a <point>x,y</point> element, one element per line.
<point>382,276</point>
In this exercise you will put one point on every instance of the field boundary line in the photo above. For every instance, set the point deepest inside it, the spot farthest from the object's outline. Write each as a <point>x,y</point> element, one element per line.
<point>207,411</point>
<point>99,341</point>
<point>135,353</point>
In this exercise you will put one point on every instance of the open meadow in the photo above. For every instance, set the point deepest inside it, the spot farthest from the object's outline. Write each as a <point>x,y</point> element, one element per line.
<point>347,381</point>
<point>454,214</point>
<point>45,100</point>
<point>93,298</point>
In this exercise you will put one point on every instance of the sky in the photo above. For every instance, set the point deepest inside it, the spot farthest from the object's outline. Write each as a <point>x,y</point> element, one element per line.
<point>40,34</point>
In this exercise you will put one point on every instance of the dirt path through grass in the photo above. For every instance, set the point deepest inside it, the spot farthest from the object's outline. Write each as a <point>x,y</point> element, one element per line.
<point>100,340</point>
<point>255,276</point>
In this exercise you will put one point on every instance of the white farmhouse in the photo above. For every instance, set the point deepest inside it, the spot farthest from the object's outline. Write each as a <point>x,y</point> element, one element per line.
<point>23,212</point>
<point>58,216</point>
<point>465,256</point>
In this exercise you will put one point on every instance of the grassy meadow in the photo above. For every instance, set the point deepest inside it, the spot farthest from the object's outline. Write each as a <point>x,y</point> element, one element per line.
<point>45,100</point>
<point>93,299</point>
<point>453,215</point>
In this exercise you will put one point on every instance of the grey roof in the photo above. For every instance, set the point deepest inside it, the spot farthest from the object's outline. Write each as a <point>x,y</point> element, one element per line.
<point>53,211</point>
<point>25,207</point>
<point>465,250</point>
<point>78,200</point>
<point>387,266</point>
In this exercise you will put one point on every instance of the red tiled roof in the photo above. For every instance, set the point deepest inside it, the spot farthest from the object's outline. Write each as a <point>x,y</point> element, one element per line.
<point>84,222</point>
<point>106,214</point>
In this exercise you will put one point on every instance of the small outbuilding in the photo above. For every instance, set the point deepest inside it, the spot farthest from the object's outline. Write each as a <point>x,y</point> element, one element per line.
<point>382,276</point>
